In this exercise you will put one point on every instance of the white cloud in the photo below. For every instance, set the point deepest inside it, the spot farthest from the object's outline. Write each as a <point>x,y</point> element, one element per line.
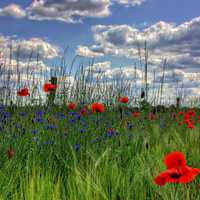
<point>99,67</point>
<point>69,11</point>
<point>13,10</point>
<point>33,45</point>
<point>86,52</point>
<point>177,43</point>
<point>130,2</point>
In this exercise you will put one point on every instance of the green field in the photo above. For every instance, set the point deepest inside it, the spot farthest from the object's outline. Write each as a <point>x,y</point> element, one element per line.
<point>60,154</point>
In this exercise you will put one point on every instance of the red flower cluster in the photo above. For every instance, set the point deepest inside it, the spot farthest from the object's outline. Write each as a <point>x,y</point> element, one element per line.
<point>71,106</point>
<point>23,92</point>
<point>98,107</point>
<point>48,87</point>
<point>123,99</point>
<point>177,170</point>
<point>188,118</point>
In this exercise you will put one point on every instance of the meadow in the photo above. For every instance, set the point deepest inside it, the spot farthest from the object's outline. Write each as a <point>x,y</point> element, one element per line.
<point>59,152</point>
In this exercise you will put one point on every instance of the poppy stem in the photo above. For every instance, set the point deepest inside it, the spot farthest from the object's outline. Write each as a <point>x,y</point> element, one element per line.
<point>121,113</point>
<point>176,187</point>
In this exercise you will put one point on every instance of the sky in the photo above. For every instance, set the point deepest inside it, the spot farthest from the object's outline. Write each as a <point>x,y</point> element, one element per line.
<point>109,32</point>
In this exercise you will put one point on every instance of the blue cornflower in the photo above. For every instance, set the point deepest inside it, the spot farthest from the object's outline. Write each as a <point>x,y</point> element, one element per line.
<point>39,120</point>
<point>72,113</point>
<point>72,120</point>
<point>77,147</point>
<point>6,115</point>
<point>50,126</point>
<point>111,132</point>
<point>2,107</point>
<point>78,116</point>
<point>35,131</point>
<point>82,131</point>
<point>61,116</point>
<point>130,126</point>
<point>18,126</point>
<point>39,113</point>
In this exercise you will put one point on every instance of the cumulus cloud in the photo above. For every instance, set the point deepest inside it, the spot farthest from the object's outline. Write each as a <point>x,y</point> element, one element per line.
<point>13,10</point>
<point>177,43</point>
<point>86,52</point>
<point>27,47</point>
<point>70,11</point>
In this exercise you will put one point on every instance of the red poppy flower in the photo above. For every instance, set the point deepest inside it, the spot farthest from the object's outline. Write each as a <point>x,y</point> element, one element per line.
<point>174,175</point>
<point>48,87</point>
<point>190,125</point>
<point>123,99</point>
<point>98,107</point>
<point>23,92</point>
<point>136,114</point>
<point>191,113</point>
<point>71,106</point>
<point>175,159</point>
<point>177,170</point>
<point>10,153</point>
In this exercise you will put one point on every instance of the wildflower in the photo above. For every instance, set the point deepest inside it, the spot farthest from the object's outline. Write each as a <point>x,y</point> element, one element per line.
<point>39,113</point>
<point>110,132</point>
<point>84,111</point>
<point>50,127</point>
<point>190,125</point>
<point>49,87</point>
<point>130,126</point>
<point>35,131</point>
<point>136,114</point>
<point>71,106</point>
<point>177,170</point>
<point>72,113</point>
<point>77,147</point>
<point>10,153</point>
<point>123,100</point>
<point>98,107</point>
<point>23,92</point>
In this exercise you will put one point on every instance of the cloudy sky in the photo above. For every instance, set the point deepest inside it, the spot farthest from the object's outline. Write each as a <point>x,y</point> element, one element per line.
<point>110,32</point>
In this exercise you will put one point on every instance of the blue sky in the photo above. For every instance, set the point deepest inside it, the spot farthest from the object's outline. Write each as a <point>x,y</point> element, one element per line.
<point>108,29</point>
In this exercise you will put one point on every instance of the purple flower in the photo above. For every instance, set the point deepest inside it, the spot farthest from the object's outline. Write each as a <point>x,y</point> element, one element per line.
<point>35,131</point>
<point>77,147</point>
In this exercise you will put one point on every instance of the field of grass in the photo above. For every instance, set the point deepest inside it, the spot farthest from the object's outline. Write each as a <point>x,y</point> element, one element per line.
<point>62,155</point>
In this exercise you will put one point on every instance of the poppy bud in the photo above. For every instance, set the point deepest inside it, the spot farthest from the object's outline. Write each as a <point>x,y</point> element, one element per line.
<point>10,153</point>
